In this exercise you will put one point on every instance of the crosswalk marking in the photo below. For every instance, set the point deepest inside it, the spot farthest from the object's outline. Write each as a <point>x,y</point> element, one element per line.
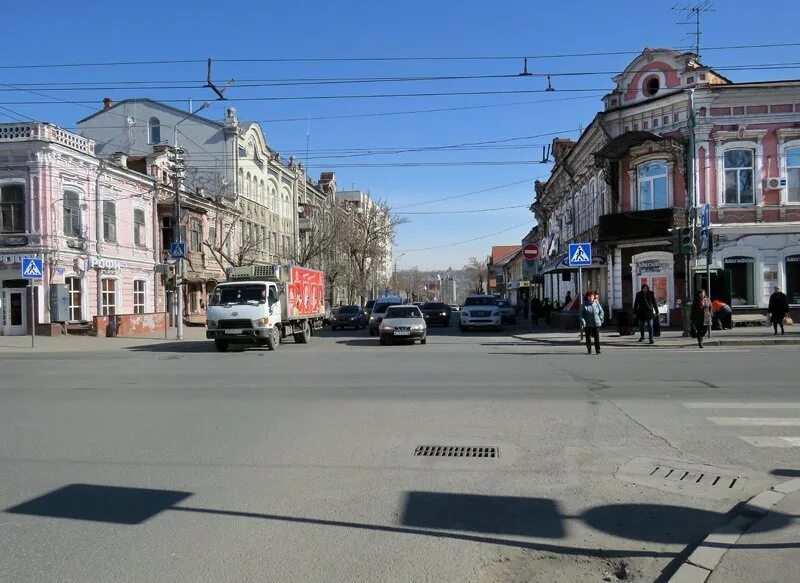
<point>740,405</point>
<point>761,441</point>
<point>762,421</point>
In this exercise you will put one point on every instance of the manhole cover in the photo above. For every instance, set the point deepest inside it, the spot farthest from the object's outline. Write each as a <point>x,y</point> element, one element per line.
<point>683,478</point>
<point>457,451</point>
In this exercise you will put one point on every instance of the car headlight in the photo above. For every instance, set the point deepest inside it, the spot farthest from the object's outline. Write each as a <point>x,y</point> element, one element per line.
<point>444,313</point>
<point>417,327</point>
<point>387,329</point>
<point>211,323</point>
<point>372,318</point>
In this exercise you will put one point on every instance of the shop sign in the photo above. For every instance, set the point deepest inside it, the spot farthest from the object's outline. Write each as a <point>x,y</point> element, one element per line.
<point>793,259</point>
<point>737,260</point>
<point>103,264</point>
<point>14,241</point>
<point>652,266</point>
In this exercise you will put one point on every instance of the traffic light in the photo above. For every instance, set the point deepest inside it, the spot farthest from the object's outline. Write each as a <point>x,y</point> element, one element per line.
<point>683,242</point>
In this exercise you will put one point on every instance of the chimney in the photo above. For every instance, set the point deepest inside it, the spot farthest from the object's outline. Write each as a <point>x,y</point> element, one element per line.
<point>107,102</point>
<point>119,159</point>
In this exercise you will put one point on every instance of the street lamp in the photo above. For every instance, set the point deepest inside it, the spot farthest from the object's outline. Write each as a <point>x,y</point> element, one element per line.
<point>178,181</point>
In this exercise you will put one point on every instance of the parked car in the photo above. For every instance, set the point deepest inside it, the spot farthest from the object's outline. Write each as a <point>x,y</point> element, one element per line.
<point>480,311</point>
<point>349,317</point>
<point>507,313</point>
<point>403,323</point>
<point>455,308</point>
<point>436,313</point>
<point>368,307</point>
<point>379,309</point>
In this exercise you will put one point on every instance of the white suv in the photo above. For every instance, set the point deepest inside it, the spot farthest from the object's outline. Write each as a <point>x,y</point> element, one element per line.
<point>480,312</point>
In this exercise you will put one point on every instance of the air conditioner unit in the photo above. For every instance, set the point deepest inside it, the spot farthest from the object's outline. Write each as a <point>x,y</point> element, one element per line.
<point>774,183</point>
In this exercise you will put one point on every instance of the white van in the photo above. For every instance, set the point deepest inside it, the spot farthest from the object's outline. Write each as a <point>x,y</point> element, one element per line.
<point>379,309</point>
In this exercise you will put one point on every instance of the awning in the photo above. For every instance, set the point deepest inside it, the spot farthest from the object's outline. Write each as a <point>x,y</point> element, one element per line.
<point>619,146</point>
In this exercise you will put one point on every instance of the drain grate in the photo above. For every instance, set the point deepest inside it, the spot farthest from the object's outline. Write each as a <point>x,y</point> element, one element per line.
<point>457,451</point>
<point>703,479</point>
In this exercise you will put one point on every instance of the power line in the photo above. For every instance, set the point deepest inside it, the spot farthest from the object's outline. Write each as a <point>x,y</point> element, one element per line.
<point>497,208</point>
<point>466,240</point>
<point>490,189</point>
<point>376,58</point>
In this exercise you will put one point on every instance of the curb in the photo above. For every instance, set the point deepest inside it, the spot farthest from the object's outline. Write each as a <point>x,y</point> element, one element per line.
<point>699,565</point>
<point>679,344</point>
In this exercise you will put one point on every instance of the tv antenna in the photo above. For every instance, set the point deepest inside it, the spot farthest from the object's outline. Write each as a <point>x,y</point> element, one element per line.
<point>217,90</point>
<point>692,13</point>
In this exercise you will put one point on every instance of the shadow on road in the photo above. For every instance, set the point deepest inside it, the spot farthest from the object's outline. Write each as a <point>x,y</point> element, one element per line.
<point>789,473</point>
<point>185,346</point>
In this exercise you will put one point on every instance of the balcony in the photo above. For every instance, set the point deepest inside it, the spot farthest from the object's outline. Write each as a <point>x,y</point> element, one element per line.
<point>655,224</point>
<point>36,131</point>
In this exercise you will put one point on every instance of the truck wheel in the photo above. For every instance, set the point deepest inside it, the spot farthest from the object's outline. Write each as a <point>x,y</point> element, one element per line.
<point>274,338</point>
<point>302,336</point>
<point>221,345</point>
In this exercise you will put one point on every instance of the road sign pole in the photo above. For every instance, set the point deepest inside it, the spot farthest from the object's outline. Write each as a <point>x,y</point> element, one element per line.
<point>580,281</point>
<point>33,317</point>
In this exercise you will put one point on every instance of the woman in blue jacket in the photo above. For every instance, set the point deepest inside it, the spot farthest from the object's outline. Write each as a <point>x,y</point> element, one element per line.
<point>591,317</point>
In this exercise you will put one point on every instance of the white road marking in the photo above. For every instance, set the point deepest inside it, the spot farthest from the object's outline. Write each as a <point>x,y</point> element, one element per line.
<point>758,421</point>
<point>772,441</point>
<point>740,405</point>
<point>690,350</point>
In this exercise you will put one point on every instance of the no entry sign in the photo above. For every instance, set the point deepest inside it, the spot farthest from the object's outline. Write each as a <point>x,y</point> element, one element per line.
<point>530,251</point>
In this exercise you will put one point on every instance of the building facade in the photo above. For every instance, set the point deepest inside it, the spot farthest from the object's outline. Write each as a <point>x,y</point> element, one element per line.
<point>674,136</point>
<point>92,221</point>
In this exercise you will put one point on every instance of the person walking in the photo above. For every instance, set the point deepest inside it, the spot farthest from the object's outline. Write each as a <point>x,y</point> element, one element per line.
<point>721,315</point>
<point>701,315</point>
<point>644,306</point>
<point>536,309</point>
<point>548,307</point>
<point>591,318</point>
<point>778,308</point>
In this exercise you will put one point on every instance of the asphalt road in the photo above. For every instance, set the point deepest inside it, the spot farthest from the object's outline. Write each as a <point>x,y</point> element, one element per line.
<point>171,462</point>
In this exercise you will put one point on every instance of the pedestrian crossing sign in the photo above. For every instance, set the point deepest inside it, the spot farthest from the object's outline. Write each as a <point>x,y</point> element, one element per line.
<point>580,254</point>
<point>177,250</point>
<point>31,268</point>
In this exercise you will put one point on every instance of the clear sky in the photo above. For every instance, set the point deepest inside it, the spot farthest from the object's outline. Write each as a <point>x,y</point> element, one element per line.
<point>341,137</point>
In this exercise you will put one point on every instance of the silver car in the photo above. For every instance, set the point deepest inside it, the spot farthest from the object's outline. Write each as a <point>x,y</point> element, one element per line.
<point>480,311</point>
<point>403,323</point>
<point>507,312</point>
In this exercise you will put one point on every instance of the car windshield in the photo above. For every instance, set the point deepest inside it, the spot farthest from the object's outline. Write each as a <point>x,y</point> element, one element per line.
<point>434,306</point>
<point>504,303</point>
<point>253,293</point>
<point>370,304</point>
<point>349,310</point>
<point>403,312</point>
<point>381,308</point>
<point>480,301</point>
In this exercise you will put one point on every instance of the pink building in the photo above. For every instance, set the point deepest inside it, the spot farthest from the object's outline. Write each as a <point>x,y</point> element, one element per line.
<point>93,222</point>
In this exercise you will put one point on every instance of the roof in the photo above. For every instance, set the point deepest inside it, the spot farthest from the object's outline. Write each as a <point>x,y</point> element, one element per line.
<point>500,251</point>
<point>616,148</point>
<point>154,103</point>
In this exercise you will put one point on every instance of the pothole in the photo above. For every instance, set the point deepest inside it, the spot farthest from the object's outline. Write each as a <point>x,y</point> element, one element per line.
<point>528,566</point>
<point>679,477</point>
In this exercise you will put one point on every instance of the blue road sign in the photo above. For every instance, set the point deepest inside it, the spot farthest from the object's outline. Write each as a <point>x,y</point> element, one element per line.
<point>580,254</point>
<point>705,217</point>
<point>31,268</point>
<point>178,250</point>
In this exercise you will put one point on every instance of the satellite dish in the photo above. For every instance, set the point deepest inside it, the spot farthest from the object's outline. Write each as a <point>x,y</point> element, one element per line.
<point>130,120</point>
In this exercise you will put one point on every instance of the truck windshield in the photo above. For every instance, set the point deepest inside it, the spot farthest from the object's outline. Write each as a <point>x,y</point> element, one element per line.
<point>239,294</point>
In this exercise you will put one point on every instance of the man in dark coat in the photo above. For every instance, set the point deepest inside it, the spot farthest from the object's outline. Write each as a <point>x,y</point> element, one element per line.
<point>778,308</point>
<point>645,308</point>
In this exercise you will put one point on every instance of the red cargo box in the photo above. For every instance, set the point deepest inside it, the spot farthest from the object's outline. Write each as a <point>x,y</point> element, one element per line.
<point>306,292</point>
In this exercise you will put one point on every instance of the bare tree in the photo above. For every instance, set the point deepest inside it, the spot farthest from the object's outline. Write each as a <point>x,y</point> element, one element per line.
<point>475,269</point>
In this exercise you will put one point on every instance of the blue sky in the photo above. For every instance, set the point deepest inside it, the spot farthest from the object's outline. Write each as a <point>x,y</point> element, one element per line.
<point>56,32</point>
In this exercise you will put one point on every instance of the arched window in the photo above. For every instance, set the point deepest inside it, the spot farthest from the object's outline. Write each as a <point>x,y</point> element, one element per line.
<point>652,185</point>
<point>651,86</point>
<point>247,182</point>
<point>739,171</point>
<point>262,193</point>
<point>241,181</point>
<point>154,131</point>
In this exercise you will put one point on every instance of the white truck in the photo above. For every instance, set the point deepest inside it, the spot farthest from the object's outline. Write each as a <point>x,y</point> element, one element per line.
<point>263,304</point>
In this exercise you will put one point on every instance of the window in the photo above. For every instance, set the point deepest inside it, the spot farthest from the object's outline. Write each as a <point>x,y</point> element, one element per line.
<point>212,237</point>
<point>167,232</point>
<point>652,185</point>
<point>793,174</point>
<point>154,131</point>
<point>195,236</point>
<point>248,181</point>
<point>109,221</point>
<point>739,176</point>
<point>72,214</point>
<point>741,273</point>
<point>651,86</point>
<point>139,236</point>
<point>138,296</point>
<point>12,209</point>
<point>690,79</point>
<point>241,181</point>
<point>75,300</point>
<point>108,297</point>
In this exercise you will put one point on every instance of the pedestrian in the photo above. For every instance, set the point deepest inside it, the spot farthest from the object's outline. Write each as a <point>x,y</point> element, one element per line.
<point>701,316</point>
<point>644,306</point>
<point>591,318</point>
<point>548,307</point>
<point>536,309</point>
<point>721,315</point>
<point>568,300</point>
<point>778,309</point>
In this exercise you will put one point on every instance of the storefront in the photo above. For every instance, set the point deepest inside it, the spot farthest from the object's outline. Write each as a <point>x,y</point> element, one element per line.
<point>15,296</point>
<point>656,270</point>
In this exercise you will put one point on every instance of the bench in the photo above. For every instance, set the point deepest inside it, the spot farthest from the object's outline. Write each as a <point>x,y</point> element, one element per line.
<point>748,320</point>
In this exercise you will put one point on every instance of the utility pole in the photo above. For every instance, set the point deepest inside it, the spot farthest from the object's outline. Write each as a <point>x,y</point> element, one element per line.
<point>692,199</point>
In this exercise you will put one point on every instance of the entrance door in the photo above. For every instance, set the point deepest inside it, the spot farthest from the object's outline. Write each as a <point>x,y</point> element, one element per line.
<point>659,285</point>
<point>14,312</point>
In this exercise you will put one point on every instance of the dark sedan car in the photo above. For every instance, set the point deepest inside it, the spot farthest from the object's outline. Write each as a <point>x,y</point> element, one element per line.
<point>436,313</point>
<point>349,317</point>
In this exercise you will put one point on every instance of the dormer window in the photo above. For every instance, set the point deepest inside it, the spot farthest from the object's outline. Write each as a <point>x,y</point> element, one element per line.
<point>154,131</point>
<point>690,79</point>
<point>613,103</point>
<point>651,86</point>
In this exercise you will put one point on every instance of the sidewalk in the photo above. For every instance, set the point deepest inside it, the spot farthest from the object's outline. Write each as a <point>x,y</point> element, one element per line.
<point>670,337</point>
<point>22,344</point>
